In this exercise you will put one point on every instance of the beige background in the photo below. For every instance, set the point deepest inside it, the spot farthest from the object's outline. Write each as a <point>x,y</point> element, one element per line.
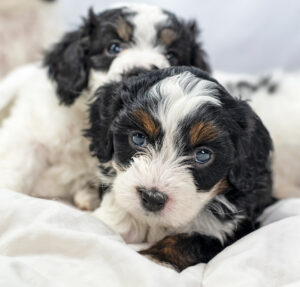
<point>249,36</point>
<point>27,27</point>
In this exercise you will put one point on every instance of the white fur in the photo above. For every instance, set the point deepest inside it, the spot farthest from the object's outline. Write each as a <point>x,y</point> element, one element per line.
<point>122,212</point>
<point>146,19</point>
<point>181,94</point>
<point>42,150</point>
<point>122,222</point>
<point>206,222</point>
<point>127,60</point>
<point>163,169</point>
<point>280,112</point>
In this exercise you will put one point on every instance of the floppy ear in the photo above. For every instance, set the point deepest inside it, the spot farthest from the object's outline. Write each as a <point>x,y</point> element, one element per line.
<point>253,146</point>
<point>103,111</point>
<point>68,63</point>
<point>198,55</point>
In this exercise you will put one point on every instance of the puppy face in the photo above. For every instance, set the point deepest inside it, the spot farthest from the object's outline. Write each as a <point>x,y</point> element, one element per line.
<point>112,42</point>
<point>170,150</point>
<point>176,139</point>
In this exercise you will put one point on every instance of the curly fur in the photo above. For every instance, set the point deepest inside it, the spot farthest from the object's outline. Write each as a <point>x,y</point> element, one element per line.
<point>42,150</point>
<point>208,206</point>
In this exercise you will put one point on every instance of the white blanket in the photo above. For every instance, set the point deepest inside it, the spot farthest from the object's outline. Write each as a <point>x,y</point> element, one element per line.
<point>45,243</point>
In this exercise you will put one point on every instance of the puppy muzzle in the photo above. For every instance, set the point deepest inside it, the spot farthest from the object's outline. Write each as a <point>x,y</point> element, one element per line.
<point>137,58</point>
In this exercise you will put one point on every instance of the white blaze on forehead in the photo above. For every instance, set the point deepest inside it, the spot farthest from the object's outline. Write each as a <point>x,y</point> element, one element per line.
<point>146,21</point>
<point>179,96</point>
<point>143,53</point>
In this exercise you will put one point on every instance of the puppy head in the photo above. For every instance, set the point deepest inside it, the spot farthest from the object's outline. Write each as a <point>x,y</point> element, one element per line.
<point>177,139</point>
<point>116,40</point>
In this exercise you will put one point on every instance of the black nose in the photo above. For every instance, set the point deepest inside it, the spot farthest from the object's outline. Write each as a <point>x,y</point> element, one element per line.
<point>138,71</point>
<point>134,72</point>
<point>153,67</point>
<point>152,199</point>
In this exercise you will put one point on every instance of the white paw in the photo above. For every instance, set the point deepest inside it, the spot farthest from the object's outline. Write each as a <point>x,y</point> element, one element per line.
<point>87,199</point>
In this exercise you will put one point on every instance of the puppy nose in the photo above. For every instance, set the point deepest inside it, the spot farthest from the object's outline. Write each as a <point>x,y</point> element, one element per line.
<point>154,67</point>
<point>134,72</point>
<point>138,71</point>
<point>152,199</point>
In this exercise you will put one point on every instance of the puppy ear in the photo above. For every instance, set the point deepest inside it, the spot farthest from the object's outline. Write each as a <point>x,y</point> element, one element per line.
<point>68,63</point>
<point>198,55</point>
<point>103,111</point>
<point>253,146</point>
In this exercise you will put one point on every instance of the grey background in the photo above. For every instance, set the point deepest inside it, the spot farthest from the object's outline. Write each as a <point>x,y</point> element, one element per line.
<point>250,36</point>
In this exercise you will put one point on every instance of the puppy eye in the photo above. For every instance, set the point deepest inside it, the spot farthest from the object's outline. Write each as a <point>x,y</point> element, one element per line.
<point>114,49</point>
<point>203,156</point>
<point>139,139</point>
<point>172,58</point>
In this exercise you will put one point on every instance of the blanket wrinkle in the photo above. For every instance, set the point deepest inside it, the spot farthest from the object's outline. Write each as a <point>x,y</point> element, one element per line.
<point>45,243</point>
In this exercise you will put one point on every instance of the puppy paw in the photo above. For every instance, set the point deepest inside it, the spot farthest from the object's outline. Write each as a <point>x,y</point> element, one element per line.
<point>168,252</point>
<point>161,263</point>
<point>87,199</point>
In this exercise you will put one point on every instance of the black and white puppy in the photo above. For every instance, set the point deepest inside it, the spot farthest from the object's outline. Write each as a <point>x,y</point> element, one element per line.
<point>188,164</point>
<point>42,151</point>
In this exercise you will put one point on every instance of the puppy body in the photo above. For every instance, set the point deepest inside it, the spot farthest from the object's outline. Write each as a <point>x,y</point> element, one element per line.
<point>42,150</point>
<point>190,162</point>
<point>32,158</point>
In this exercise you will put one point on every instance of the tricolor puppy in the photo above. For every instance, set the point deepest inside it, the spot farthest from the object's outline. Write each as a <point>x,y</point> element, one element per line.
<point>188,164</point>
<point>42,151</point>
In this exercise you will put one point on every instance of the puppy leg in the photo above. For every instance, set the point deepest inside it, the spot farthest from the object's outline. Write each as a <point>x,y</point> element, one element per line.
<point>120,220</point>
<point>183,250</point>
<point>87,199</point>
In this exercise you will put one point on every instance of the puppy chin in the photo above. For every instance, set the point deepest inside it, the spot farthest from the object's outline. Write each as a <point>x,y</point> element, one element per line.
<point>184,202</point>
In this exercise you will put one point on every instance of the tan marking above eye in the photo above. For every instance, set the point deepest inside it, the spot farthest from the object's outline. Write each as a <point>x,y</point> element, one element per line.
<point>202,132</point>
<point>219,187</point>
<point>167,36</point>
<point>147,122</point>
<point>124,30</point>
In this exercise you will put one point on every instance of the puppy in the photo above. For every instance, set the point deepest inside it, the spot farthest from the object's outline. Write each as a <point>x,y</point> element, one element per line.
<point>188,164</point>
<point>42,151</point>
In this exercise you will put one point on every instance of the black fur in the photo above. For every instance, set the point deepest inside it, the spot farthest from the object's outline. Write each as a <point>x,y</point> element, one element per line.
<point>242,148</point>
<point>197,55</point>
<point>246,88</point>
<point>102,113</point>
<point>111,98</point>
<point>187,48</point>
<point>71,60</point>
